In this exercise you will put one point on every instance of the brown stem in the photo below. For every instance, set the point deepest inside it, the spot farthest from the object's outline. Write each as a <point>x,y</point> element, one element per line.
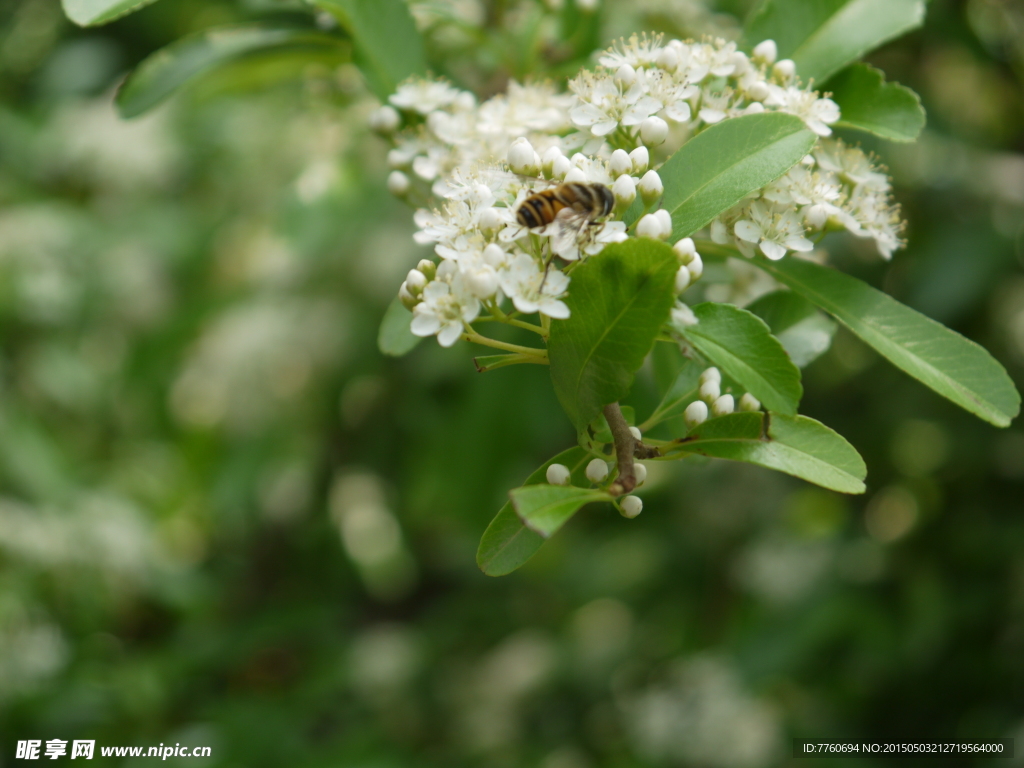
<point>624,446</point>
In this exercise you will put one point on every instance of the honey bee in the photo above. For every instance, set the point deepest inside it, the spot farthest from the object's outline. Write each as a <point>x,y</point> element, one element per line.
<point>569,207</point>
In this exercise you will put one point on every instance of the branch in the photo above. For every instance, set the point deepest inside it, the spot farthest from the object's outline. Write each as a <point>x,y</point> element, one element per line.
<point>625,444</point>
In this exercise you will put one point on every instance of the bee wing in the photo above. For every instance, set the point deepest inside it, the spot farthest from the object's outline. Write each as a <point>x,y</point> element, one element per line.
<point>565,232</point>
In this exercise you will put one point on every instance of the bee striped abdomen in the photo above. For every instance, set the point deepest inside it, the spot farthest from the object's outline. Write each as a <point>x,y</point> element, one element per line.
<point>593,200</point>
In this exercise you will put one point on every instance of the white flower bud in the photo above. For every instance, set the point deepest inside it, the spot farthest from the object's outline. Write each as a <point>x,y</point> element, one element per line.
<point>808,160</point>
<point>758,91</point>
<point>576,175</point>
<point>741,62</point>
<point>723,406</point>
<point>649,226</point>
<point>666,222</point>
<point>766,51</point>
<point>641,159</point>
<point>696,267</point>
<point>695,413</point>
<point>620,162</point>
<point>522,158</point>
<point>625,75</point>
<point>651,187</point>
<point>653,131</point>
<point>597,470</point>
<point>624,190</point>
<point>640,471</point>
<point>465,101</point>
<point>784,70</point>
<point>428,268</point>
<point>489,219</point>
<point>710,374</point>
<point>558,474</point>
<point>682,279</point>
<point>749,403</point>
<point>494,255</point>
<point>682,315</point>
<point>684,250</point>
<point>710,391</point>
<point>754,108</point>
<point>635,433</point>
<point>551,154</point>
<point>482,281</point>
<point>816,216</point>
<point>385,120</point>
<point>560,167</point>
<point>407,299</point>
<point>397,159</point>
<point>398,183</point>
<point>415,282</point>
<point>667,58</point>
<point>631,506</point>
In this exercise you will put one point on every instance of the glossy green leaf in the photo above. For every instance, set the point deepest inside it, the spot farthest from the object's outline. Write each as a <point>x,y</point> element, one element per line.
<point>942,359</point>
<point>93,13</point>
<point>545,508</point>
<point>162,73</point>
<point>823,36</point>
<point>388,48</point>
<point>727,161</point>
<point>796,445</point>
<point>803,330</point>
<point>868,103</point>
<point>680,394</point>
<point>741,344</point>
<point>394,337</point>
<point>619,300</point>
<point>508,543</point>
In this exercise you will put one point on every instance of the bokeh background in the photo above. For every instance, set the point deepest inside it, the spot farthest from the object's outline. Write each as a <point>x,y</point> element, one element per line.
<point>226,520</point>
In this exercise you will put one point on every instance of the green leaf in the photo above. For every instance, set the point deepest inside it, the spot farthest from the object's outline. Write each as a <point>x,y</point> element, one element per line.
<point>619,299</point>
<point>508,543</point>
<point>941,359</point>
<point>388,49</point>
<point>545,508</point>
<point>727,161</point>
<point>804,332</point>
<point>823,36</point>
<point>395,337</point>
<point>796,445</point>
<point>680,394</point>
<point>741,344</point>
<point>93,13</point>
<point>868,103</point>
<point>162,73</point>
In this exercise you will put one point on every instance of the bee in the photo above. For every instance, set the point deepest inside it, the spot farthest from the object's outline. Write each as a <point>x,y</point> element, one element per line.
<point>568,207</point>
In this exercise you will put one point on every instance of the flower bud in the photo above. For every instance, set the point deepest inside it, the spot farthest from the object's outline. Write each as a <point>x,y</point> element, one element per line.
<point>415,282</point>
<point>551,154</point>
<point>635,432</point>
<point>560,167</point>
<point>482,281</point>
<point>398,183</point>
<point>667,58</point>
<point>653,131</point>
<point>428,268</point>
<point>766,51</point>
<point>695,413</point>
<point>710,391</point>
<point>597,470</point>
<point>489,219</point>
<point>631,506</point>
<point>651,187</point>
<point>384,120</point>
<point>408,300</point>
<point>464,102</point>
<point>494,255</point>
<point>749,403</point>
<point>696,267</point>
<point>620,162</point>
<point>816,216</point>
<point>624,190</point>
<point>649,226</point>
<point>723,406</point>
<point>682,315</point>
<point>684,250</point>
<point>558,474</point>
<point>710,374</point>
<point>666,222</point>
<point>682,279</point>
<point>754,108</point>
<point>397,159</point>
<point>625,75</point>
<point>784,70</point>
<point>742,63</point>
<point>758,91</point>
<point>576,175</point>
<point>522,157</point>
<point>641,159</point>
<point>640,472</point>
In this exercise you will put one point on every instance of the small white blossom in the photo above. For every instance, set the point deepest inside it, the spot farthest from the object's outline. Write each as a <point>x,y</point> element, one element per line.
<point>558,474</point>
<point>775,231</point>
<point>653,131</point>
<point>650,226</point>
<point>665,219</point>
<point>784,70</point>
<point>635,432</point>
<point>766,51</point>
<point>624,190</point>
<point>682,279</point>
<point>641,158</point>
<point>631,506</point>
<point>424,96</point>
<point>749,403</point>
<point>620,163</point>
<point>597,470</point>
<point>444,310</point>
<point>695,267</point>
<point>651,187</point>
<point>710,391</point>
<point>695,413</point>
<point>640,472</point>
<point>710,374</point>
<point>723,405</point>
<point>385,120</point>
<point>415,281</point>
<point>534,290</point>
<point>681,315</point>
<point>398,183</point>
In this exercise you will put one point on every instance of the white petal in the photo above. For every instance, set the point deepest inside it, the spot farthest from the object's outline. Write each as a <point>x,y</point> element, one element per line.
<point>555,309</point>
<point>449,334</point>
<point>773,251</point>
<point>425,325</point>
<point>747,230</point>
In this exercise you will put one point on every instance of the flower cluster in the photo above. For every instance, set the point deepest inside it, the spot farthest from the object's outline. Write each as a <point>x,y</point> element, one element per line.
<point>469,166</point>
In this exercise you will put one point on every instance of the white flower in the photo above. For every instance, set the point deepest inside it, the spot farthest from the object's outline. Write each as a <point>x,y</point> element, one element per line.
<point>640,158</point>
<point>522,158</point>
<point>749,403</point>
<point>695,267</point>
<point>766,51</point>
<point>620,164</point>
<point>650,226</point>
<point>776,231</point>
<point>624,190</point>
<point>682,279</point>
<point>424,96</point>
<point>651,187</point>
<point>534,290</point>
<point>631,506</point>
<point>597,470</point>
<point>682,316</point>
<point>385,120</point>
<point>398,183</point>
<point>596,238</point>
<point>653,131</point>
<point>635,432</point>
<point>695,413</point>
<point>710,374</point>
<point>710,391</point>
<point>637,52</point>
<point>444,309</point>
<point>640,472</point>
<point>723,406</point>
<point>558,474</point>
<point>815,112</point>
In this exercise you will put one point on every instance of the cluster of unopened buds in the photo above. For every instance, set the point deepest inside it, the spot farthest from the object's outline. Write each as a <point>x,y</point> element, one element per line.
<point>469,167</point>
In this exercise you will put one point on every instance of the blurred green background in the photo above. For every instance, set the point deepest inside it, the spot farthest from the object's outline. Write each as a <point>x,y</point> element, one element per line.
<point>226,520</point>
